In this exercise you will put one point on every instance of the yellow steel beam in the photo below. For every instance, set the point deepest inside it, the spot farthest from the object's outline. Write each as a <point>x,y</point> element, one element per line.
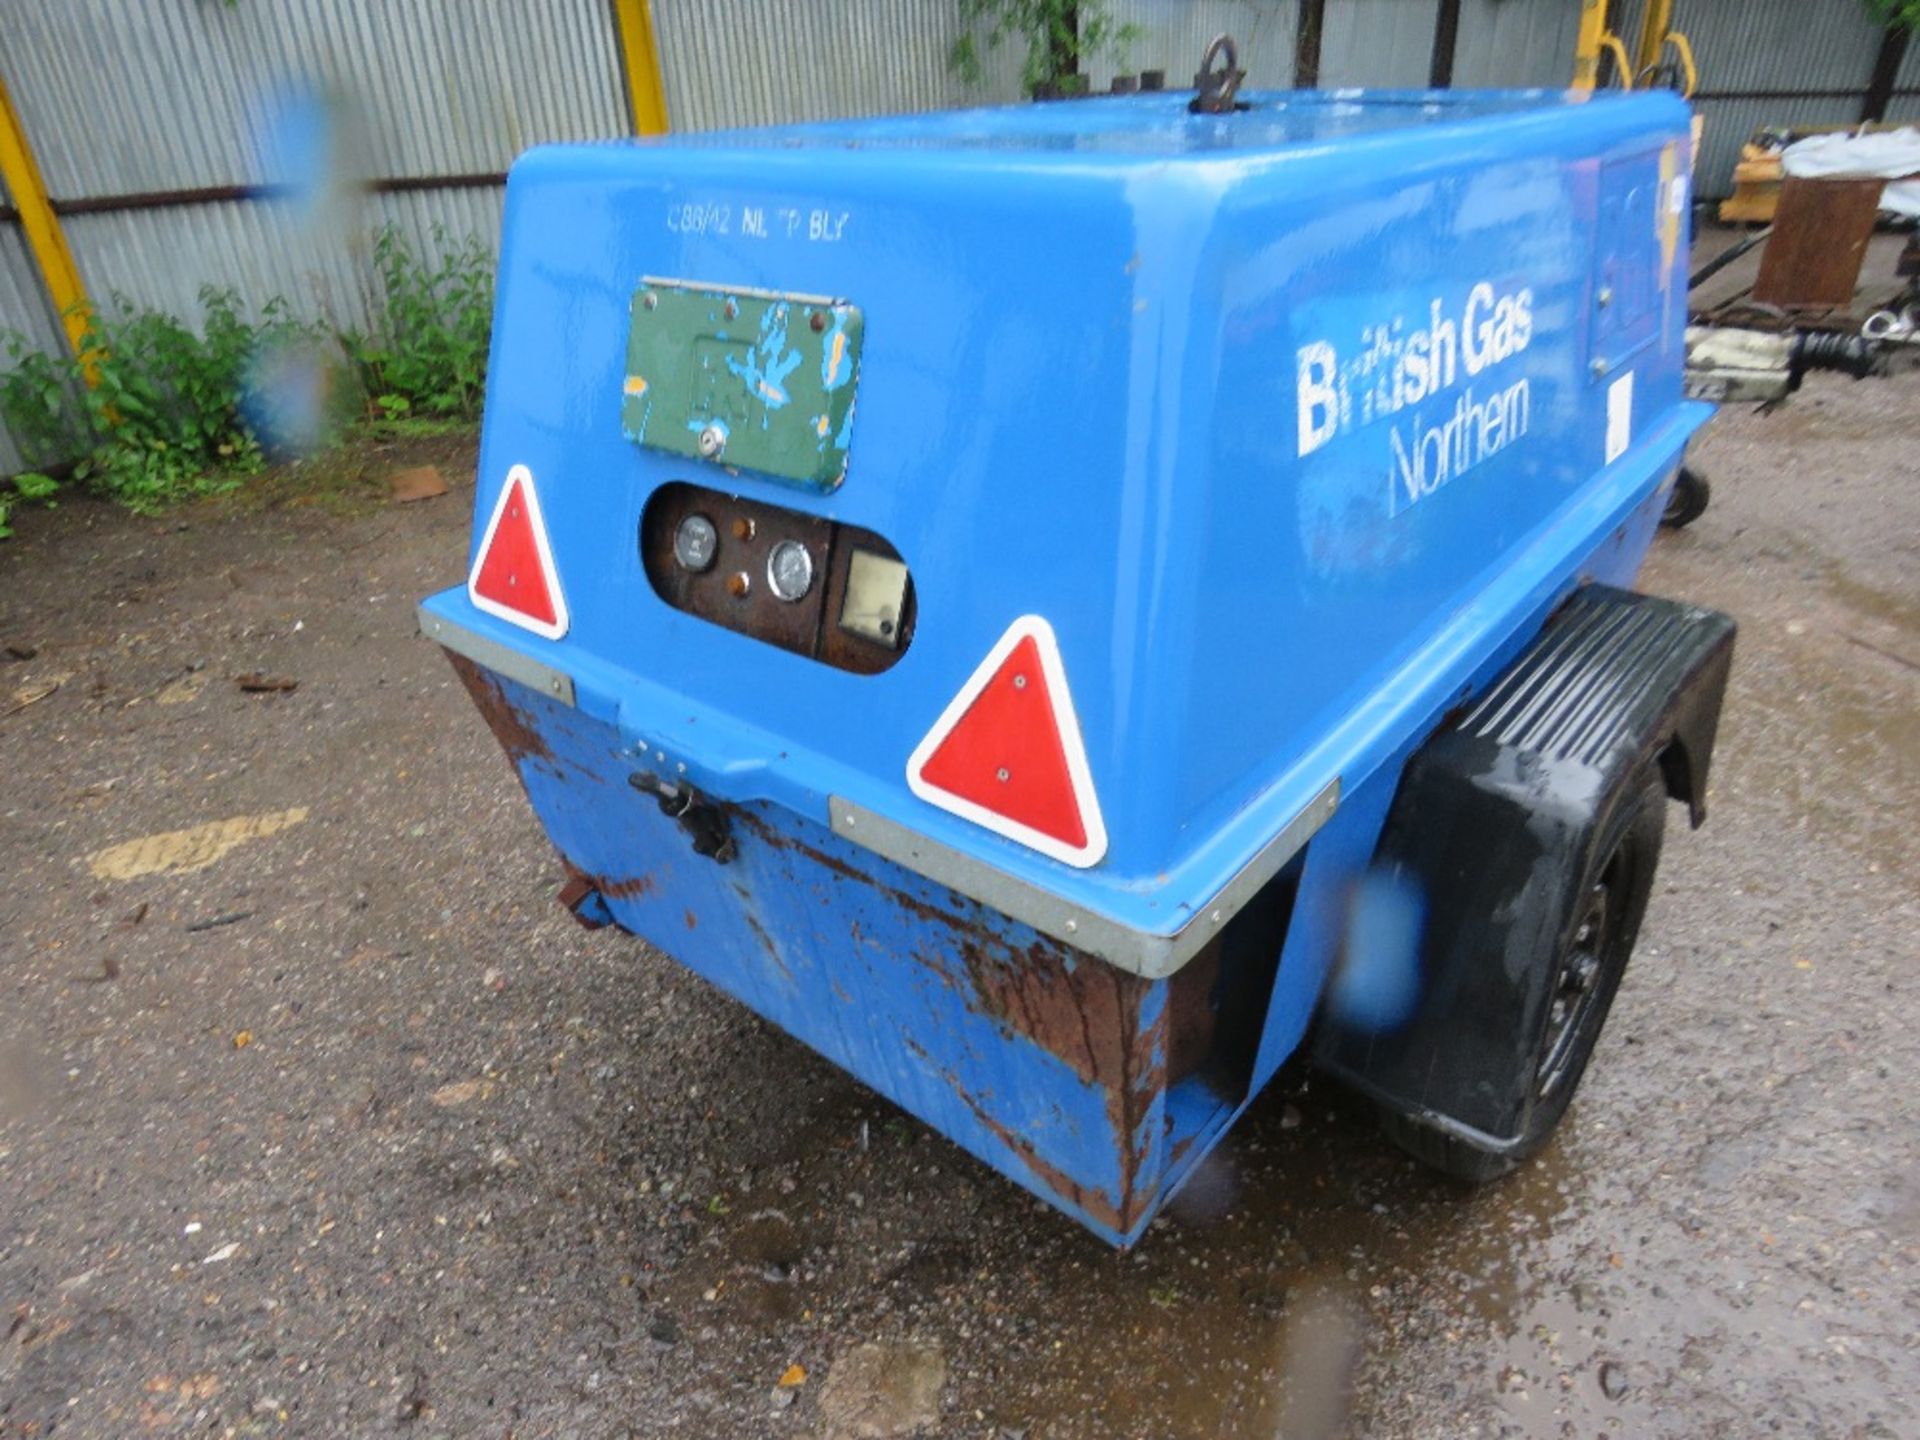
<point>1655,22</point>
<point>1689,72</point>
<point>1586,45</point>
<point>640,58</point>
<point>45,239</point>
<point>1593,38</point>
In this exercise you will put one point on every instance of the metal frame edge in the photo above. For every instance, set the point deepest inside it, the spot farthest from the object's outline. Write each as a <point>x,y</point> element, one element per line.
<point>1139,952</point>
<point>503,660</point>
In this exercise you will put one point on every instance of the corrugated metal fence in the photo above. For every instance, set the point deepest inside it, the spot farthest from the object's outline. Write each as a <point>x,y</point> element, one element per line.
<point>1362,42</point>
<point>167,133</point>
<point>1774,62</point>
<point>161,131</point>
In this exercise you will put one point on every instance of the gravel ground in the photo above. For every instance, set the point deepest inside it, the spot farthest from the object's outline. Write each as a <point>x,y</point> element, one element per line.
<point>397,1147</point>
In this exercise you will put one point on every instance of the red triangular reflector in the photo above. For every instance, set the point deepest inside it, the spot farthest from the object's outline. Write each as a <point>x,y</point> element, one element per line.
<point>513,575</point>
<point>1005,755</point>
<point>1007,752</point>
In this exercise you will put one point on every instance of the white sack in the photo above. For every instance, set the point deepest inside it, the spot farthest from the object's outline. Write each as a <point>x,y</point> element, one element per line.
<point>1892,154</point>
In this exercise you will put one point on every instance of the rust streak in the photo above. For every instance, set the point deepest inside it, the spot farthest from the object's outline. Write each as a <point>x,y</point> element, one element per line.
<point>519,739</point>
<point>910,903</point>
<point>1093,1202</point>
<point>631,888</point>
<point>1073,1005</point>
<point>1087,1013</point>
<point>579,888</point>
<point>760,933</point>
<point>1062,1006</point>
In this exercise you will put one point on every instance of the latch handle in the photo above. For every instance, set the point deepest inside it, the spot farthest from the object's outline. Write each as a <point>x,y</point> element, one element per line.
<point>706,823</point>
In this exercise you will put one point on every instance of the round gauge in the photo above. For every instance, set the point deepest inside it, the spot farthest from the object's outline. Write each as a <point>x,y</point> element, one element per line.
<point>790,570</point>
<point>695,542</point>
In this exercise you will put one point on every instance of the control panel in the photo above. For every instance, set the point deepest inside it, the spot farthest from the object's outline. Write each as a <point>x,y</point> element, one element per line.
<point>835,593</point>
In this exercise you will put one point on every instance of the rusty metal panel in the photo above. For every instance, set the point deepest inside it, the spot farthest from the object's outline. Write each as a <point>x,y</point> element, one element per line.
<point>1085,1084</point>
<point>1820,234</point>
<point>731,585</point>
<point>730,588</point>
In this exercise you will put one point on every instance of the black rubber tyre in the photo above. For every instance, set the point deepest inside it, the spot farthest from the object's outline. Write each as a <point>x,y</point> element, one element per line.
<point>1688,502</point>
<point>1588,964</point>
<point>1440,1151</point>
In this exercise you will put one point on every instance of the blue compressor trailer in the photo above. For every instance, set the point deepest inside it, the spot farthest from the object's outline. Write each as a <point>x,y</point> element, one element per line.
<point>1062,607</point>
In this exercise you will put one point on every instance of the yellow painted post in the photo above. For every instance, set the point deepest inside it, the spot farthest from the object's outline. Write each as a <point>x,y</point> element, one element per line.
<point>1654,25</point>
<point>45,239</point>
<point>1586,47</point>
<point>640,57</point>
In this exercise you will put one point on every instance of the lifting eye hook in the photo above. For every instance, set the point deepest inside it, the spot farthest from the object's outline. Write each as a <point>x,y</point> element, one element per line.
<point>1217,84</point>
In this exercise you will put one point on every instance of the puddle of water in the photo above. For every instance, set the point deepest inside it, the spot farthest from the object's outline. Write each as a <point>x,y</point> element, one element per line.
<point>1903,612</point>
<point>1334,1247</point>
<point>1317,1278</point>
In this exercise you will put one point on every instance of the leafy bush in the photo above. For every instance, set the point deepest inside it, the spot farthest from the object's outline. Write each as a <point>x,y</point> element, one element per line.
<point>30,486</point>
<point>427,353</point>
<point>160,411</point>
<point>1059,35</point>
<point>40,403</point>
<point>1895,12</point>
<point>40,407</point>
<point>154,408</point>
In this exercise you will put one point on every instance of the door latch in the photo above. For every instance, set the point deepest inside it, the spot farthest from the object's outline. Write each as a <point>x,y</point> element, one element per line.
<point>706,823</point>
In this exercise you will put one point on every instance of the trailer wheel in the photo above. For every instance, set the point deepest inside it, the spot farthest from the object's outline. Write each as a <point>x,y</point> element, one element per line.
<point>1525,831</point>
<point>1588,965</point>
<point>1688,502</point>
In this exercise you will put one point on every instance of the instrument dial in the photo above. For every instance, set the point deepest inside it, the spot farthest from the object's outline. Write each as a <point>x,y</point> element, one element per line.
<point>695,543</point>
<point>790,570</point>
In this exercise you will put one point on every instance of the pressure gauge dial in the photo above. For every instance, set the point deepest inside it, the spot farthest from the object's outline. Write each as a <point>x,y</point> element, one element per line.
<point>695,543</point>
<point>790,570</point>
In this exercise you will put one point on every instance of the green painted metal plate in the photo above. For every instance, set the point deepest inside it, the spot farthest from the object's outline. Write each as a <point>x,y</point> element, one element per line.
<point>746,379</point>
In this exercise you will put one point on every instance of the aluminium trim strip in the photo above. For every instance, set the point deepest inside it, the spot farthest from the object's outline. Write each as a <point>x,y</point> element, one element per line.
<point>501,659</point>
<point>1139,952</point>
<point>745,292</point>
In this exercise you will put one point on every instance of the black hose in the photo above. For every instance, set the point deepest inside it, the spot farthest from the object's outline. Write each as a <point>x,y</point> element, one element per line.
<point>1727,257</point>
<point>1840,350</point>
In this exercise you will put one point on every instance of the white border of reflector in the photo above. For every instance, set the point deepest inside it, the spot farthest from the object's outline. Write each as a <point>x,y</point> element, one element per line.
<point>561,618</point>
<point>1055,678</point>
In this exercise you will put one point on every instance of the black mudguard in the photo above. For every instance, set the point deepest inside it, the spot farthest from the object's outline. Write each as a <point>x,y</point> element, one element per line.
<point>1493,824</point>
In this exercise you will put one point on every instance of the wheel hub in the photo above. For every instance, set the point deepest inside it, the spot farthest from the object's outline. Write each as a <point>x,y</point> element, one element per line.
<point>1574,986</point>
